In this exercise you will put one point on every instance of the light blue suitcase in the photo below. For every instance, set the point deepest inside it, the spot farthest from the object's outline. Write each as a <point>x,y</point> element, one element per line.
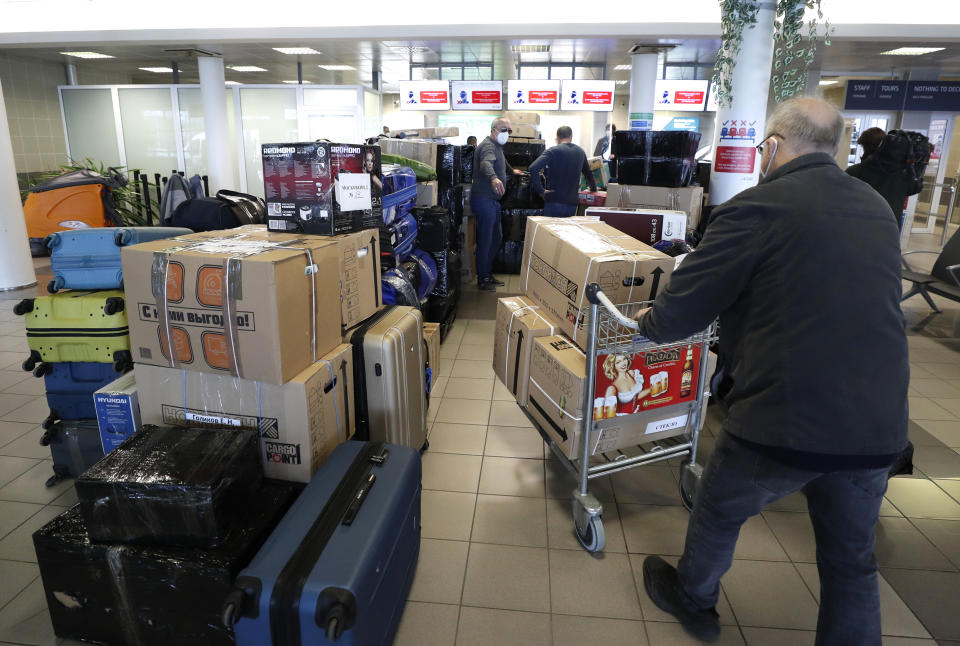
<point>90,258</point>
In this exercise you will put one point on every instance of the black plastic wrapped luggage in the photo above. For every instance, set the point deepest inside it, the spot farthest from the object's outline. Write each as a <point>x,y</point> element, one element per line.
<point>74,445</point>
<point>655,157</point>
<point>509,258</point>
<point>520,194</point>
<point>521,154</point>
<point>435,231</point>
<point>170,486</point>
<point>448,272</point>
<point>454,164</point>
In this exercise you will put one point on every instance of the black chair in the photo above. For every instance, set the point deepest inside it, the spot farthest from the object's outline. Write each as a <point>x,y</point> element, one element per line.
<point>943,279</point>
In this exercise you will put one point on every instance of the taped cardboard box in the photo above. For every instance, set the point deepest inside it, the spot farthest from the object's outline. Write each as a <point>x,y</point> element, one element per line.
<point>278,287</point>
<point>601,173</point>
<point>556,391</point>
<point>300,422</point>
<point>417,149</point>
<point>688,199</point>
<point>646,225</point>
<point>561,256</point>
<point>426,133</point>
<point>427,193</point>
<point>532,118</point>
<point>525,131</point>
<point>519,321</point>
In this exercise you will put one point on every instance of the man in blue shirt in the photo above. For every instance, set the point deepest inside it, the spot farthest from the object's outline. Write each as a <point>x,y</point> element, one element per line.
<point>562,165</point>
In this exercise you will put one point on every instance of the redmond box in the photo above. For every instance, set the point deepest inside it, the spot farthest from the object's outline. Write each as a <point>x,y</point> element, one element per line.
<point>118,411</point>
<point>646,225</point>
<point>688,199</point>
<point>242,302</point>
<point>561,256</point>
<point>518,323</point>
<point>299,423</point>
<point>322,188</point>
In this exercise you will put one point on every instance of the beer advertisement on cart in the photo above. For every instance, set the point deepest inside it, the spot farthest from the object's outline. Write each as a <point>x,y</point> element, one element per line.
<point>646,380</point>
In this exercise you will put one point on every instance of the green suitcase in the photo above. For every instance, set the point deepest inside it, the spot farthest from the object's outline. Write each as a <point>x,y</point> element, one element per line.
<point>76,325</point>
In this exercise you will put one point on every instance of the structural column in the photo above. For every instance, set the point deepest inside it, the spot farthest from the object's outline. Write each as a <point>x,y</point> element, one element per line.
<point>16,264</point>
<point>740,127</point>
<point>220,165</point>
<point>643,85</point>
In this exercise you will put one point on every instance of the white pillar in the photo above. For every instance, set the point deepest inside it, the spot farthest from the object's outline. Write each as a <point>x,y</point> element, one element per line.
<point>220,165</point>
<point>16,265</point>
<point>643,81</point>
<point>740,127</point>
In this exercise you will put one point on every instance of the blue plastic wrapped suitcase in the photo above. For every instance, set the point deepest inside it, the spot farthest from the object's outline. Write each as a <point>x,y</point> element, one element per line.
<point>338,567</point>
<point>70,387</point>
<point>90,258</point>
<point>399,192</point>
<point>397,240</point>
<point>75,447</point>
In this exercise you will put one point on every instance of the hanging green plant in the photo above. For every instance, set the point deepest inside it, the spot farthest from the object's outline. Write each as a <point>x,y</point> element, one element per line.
<point>735,16</point>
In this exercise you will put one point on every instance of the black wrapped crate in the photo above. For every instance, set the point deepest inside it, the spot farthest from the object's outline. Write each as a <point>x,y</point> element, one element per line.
<point>655,157</point>
<point>454,164</point>
<point>435,230</point>
<point>513,222</point>
<point>509,258</point>
<point>520,194</point>
<point>170,486</point>
<point>653,171</point>
<point>448,272</point>
<point>521,154</point>
<point>655,143</point>
<point>123,595</point>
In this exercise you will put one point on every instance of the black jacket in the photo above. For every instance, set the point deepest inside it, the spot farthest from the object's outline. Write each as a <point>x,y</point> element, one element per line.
<point>489,162</point>
<point>804,273</point>
<point>894,184</point>
<point>562,164</point>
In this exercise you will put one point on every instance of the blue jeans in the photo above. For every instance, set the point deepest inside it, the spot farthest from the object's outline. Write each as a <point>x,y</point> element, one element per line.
<point>558,210</point>
<point>739,482</point>
<point>489,235</point>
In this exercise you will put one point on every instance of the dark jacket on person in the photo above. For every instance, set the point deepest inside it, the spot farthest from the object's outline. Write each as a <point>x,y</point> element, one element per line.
<point>894,184</point>
<point>804,273</point>
<point>489,162</point>
<point>602,144</point>
<point>562,164</point>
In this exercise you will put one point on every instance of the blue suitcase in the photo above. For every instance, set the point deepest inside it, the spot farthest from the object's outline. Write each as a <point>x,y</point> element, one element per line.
<point>90,258</point>
<point>339,566</point>
<point>75,447</point>
<point>70,386</point>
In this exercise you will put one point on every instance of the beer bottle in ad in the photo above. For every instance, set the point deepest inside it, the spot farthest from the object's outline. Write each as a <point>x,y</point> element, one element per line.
<point>686,378</point>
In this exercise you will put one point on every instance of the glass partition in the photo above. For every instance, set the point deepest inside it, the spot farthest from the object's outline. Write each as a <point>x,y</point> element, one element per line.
<point>269,116</point>
<point>149,136</point>
<point>194,135</point>
<point>372,117</point>
<point>91,128</point>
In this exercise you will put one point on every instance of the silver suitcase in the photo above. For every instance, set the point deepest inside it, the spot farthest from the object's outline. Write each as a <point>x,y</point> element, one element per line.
<point>389,379</point>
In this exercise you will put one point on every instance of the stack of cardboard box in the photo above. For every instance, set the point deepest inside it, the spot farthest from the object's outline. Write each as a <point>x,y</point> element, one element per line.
<point>540,337</point>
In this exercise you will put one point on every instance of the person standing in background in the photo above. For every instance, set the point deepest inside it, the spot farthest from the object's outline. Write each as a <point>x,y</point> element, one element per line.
<point>562,165</point>
<point>870,140</point>
<point>888,167</point>
<point>490,170</point>
<point>471,141</point>
<point>604,149</point>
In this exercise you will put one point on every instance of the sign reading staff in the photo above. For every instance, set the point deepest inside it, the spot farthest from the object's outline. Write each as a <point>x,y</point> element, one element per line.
<point>477,95</point>
<point>533,95</point>
<point>424,95</point>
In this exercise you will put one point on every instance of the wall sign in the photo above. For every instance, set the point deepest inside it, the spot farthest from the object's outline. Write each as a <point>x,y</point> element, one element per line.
<point>424,95</point>
<point>690,124</point>
<point>593,96</point>
<point>477,95</point>
<point>533,95</point>
<point>690,96</point>
<point>874,95</point>
<point>935,96</point>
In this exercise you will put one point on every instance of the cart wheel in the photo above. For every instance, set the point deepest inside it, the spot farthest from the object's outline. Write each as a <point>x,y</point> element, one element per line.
<point>52,286</point>
<point>592,538</point>
<point>23,307</point>
<point>690,476</point>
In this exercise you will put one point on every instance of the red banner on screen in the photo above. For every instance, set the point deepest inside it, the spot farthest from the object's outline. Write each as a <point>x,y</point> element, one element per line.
<point>485,96</point>
<point>598,98</point>
<point>543,96</point>
<point>434,97</point>
<point>684,97</point>
<point>735,159</point>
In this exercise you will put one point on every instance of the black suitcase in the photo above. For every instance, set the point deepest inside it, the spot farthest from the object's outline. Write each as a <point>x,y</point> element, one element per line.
<point>448,272</point>
<point>126,595</point>
<point>228,210</point>
<point>656,171</point>
<point>74,445</point>
<point>509,258</point>
<point>521,154</point>
<point>434,227</point>
<point>170,486</point>
<point>520,194</point>
<point>655,143</point>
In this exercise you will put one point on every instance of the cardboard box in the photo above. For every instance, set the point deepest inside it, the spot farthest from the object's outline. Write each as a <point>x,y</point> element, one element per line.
<point>527,140</point>
<point>561,256</point>
<point>417,149</point>
<point>556,392</point>
<point>518,323</point>
<point>274,295</point>
<point>468,254</point>
<point>300,422</point>
<point>431,334</point>
<point>360,287</point>
<point>525,131</point>
<point>601,173</point>
<point>426,133</point>
<point>646,225</point>
<point>688,199</point>
<point>322,188</point>
<point>517,117</point>
<point>592,198</point>
<point>427,193</point>
<point>118,411</point>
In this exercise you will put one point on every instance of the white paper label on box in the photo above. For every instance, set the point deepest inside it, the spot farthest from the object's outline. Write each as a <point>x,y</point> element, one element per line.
<point>665,425</point>
<point>353,192</point>
<point>678,260</point>
<point>211,419</point>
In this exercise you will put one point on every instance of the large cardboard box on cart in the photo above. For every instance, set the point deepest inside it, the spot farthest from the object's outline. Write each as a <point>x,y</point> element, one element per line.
<point>561,256</point>
<point>558,384</point>
<point>519,321</point>
<point>246,303</point>
<point>300,422</point>
<point>688,199</point>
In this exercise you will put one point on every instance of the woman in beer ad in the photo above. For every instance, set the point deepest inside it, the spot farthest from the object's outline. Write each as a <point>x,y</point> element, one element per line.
<point>625,391</point>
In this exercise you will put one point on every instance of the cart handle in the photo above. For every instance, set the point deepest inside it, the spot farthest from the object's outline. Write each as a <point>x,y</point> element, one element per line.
<point>595,295</point>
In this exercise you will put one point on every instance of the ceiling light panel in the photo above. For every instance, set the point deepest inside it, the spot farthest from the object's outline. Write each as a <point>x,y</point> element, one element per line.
<point>157,70</point>
<point>825,82</point>
<point>246,68</point>
<point>337,68</point>
<point>529,49</point>
<point>911,51</point>
<point>232,83</point>
<point>86,55</point>
<point>296,51</point>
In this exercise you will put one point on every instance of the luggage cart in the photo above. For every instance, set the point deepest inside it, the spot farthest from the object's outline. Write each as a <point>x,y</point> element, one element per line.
<point>674,429</point>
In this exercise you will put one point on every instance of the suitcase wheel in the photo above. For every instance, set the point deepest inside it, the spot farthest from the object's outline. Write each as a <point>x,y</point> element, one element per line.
<point>42,369</point>
<point>54,285</point>
<point>31,362</point>
<point>47,437</point>
<point>113,305</point>
<point>23,307</point>
<point>121,238</point>
<point>47,424</point>
<point>51,241</point>
<point>122,361</point>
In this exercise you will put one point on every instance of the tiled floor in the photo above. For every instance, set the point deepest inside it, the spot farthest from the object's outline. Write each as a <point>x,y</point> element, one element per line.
<point>499,563</point>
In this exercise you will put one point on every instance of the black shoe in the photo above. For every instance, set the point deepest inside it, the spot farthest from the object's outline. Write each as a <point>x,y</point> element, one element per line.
<point>498,283</point>
<point>663,587</point>
<point>487,286</point>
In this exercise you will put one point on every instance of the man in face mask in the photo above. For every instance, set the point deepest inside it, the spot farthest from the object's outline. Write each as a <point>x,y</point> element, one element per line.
<point>489,185</point>
<point>804,272</point>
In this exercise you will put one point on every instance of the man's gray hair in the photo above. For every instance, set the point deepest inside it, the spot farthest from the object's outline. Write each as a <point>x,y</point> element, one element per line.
<point>498,123</point>
<point>808,124</point>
